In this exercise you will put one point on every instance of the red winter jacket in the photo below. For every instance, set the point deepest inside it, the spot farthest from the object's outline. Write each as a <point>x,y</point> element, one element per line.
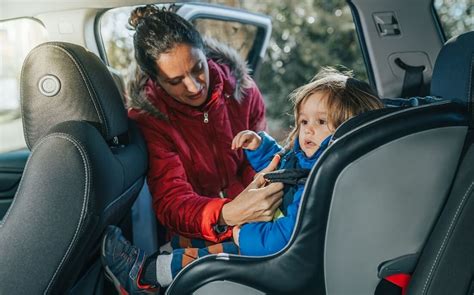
<point>191,164</point>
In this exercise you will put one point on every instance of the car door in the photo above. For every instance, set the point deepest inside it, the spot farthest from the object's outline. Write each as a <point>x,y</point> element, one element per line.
<point>11,169</point>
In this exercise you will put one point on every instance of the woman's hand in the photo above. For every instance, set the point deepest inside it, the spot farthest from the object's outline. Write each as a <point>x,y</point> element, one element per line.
<point>246,139</point>
<point>256,203</point>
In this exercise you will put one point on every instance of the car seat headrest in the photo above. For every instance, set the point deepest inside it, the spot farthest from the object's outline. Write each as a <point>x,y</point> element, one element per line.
<point>65,82</point>
<point>453,70</point>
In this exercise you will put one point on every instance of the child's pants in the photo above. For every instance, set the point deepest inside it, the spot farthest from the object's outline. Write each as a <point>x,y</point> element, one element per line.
<point>187,250</point>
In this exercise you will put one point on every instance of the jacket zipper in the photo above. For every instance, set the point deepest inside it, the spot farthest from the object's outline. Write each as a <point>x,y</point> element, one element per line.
<point>222,172</point>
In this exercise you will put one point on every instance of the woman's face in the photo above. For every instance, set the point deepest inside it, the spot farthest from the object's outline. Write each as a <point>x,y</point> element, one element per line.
<point>313,123</point>
<point>183,73</point>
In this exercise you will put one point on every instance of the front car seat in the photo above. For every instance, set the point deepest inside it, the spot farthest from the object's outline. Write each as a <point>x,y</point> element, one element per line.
<point>373,196</point>
<point>86,167</point>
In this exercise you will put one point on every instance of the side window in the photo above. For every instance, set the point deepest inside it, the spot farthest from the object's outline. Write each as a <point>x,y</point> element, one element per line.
<point>237,35</point>
<point>17,38</point>
<point>456,17</point>
<point>118,39</point>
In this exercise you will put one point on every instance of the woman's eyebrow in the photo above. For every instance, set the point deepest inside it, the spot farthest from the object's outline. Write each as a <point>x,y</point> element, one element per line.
<point>182,76</point>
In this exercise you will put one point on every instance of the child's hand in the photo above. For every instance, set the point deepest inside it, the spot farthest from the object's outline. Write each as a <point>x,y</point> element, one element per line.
<point>246,139</point>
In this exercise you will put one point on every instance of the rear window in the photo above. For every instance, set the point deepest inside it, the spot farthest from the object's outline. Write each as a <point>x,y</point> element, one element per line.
<point>456,16</point>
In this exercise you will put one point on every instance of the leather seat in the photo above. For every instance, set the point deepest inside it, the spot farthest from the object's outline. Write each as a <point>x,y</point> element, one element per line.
<point>373,196</point>
<point>86,167</point>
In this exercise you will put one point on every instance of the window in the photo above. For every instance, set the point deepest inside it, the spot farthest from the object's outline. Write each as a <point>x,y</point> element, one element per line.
<point>118,39</point>
<point>456,16</point>
<point>238,36</point>
<point>17,38</point>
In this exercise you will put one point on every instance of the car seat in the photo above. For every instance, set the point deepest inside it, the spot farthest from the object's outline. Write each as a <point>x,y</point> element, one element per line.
<point>374,196</point>
<point>446,265</point>
<point>86,167</point>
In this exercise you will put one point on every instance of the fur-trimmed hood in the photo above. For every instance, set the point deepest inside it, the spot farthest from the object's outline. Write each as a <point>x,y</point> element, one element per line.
<point>214,50</point>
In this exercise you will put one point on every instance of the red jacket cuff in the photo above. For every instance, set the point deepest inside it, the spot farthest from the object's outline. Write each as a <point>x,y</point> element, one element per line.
<point>210,218</point>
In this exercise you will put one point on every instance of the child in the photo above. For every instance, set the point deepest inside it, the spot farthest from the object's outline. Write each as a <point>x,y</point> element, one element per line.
<point>320,107</point>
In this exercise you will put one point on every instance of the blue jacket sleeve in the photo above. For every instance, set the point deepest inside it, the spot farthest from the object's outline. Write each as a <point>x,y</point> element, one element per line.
<point>265,238</point>
<point>263,155</point>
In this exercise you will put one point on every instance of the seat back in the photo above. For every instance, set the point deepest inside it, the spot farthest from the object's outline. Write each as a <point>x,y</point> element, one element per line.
<point>86,167</point>
<point>446,265</point>
<point>383,193</point>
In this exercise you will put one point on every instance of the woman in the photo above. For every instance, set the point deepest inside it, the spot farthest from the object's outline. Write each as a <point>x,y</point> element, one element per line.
<point>189,106</point>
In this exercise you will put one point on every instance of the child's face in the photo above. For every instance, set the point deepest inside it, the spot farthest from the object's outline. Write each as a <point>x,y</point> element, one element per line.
<point>313,123</point>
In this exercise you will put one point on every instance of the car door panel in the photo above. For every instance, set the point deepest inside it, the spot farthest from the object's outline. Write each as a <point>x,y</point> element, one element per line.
<point>11,169</point>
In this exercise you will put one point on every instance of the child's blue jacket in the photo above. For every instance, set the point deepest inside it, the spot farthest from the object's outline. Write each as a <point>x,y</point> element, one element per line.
<point>264,238</point>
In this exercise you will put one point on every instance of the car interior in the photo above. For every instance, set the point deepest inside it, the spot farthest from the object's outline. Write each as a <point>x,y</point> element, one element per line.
<point>392,195</point>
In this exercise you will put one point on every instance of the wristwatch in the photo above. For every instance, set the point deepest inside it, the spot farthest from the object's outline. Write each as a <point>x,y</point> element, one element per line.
<point>220,228</point>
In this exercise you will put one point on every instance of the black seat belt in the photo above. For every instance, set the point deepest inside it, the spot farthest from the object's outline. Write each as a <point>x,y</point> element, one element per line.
<point>413,80</point>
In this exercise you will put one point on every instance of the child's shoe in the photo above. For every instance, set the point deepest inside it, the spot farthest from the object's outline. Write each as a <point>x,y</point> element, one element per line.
<point>123,263</point>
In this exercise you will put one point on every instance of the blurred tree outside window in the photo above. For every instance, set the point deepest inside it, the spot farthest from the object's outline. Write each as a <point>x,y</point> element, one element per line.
<point>456,16</point>
<point>238,36</point>
<point>17,38</point>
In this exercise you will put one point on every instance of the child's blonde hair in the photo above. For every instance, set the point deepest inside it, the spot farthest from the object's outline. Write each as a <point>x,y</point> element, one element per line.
<point>345,97</point>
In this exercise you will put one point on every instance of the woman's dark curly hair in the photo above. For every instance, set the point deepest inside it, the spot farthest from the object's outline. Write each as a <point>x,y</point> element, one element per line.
<point>158,31</point>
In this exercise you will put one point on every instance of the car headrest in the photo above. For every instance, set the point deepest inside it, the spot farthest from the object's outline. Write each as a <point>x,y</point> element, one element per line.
<point>453,70</point>
<point>65,82</point>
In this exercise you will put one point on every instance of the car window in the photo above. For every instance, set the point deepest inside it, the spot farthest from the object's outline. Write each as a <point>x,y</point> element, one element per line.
<point>17,38</point>
<point>117,39</point>
<point>456,16</point>
<point>239,36</point>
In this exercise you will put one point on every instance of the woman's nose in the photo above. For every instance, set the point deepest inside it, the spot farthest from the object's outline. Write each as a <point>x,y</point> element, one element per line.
<point>191,84</point>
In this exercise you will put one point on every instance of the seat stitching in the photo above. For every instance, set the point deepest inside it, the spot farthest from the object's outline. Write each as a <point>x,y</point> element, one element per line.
<point>443,244</point>
<point>84,203</point>
<point>86,195</point>
<point>20,184</point>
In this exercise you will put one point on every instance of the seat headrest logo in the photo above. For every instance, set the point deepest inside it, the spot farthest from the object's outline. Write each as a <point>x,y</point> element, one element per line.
<point>49,85</point>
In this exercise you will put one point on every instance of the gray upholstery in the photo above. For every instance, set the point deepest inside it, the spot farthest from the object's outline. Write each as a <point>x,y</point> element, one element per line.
<point>388,210</point>
<point>446,265</point>
<point>76,181</point>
